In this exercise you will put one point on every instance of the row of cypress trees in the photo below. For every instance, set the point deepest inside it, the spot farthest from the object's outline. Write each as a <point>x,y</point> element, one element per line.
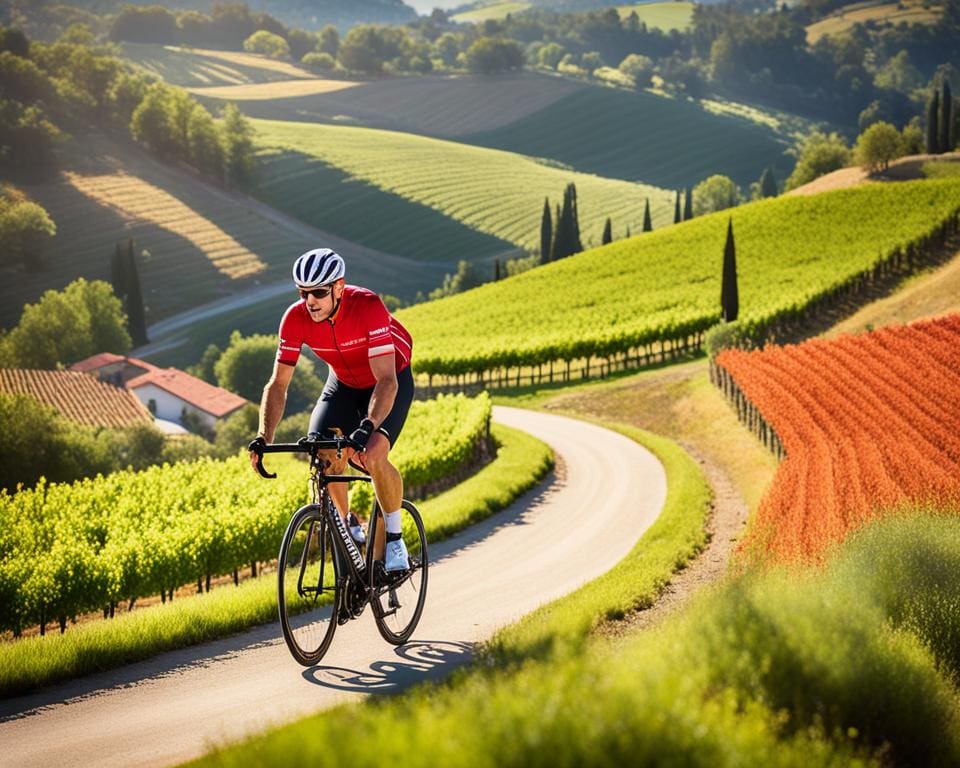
<point>941,121</point>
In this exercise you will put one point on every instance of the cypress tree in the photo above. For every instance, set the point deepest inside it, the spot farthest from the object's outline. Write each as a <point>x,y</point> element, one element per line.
<point>118,275</point>
<point>677,214</point>
<point>496,270</point>
<point>574,220</point>
<point>946,138</point>
<point>647,223</point>
<point>933,133</point>
<point>729,298</point>
<point>546,232</point>
<point>768,183</point>
<point>559,247</point>
<point>607,232</point>
<point>688,204</point>
<point>628,231</point>
<point>136,315</point>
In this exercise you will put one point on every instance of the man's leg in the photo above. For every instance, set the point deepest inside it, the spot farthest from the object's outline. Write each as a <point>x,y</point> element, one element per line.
<point>387,484</point>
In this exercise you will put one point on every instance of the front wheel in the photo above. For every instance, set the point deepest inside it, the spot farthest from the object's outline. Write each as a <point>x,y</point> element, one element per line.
<point>308,585</point>
<point>400,596</point>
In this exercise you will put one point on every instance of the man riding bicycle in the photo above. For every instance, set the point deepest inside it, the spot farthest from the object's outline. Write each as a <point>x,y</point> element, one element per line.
<point>368,392</point>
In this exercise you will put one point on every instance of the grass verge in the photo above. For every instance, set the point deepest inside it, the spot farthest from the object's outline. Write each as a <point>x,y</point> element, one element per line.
<point>33,662</point>
<point>849,665</point>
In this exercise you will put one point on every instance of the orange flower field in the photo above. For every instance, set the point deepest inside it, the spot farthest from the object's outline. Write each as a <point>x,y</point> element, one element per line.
<point>866,422</point>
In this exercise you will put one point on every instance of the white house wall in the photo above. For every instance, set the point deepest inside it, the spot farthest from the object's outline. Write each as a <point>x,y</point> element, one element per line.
<point>169,407</point>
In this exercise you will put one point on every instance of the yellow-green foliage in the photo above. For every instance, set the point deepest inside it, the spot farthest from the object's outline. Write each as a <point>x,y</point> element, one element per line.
<point>791,251</point>
<point>70,548</point>
<point>25,664</point>
<point>497,193</point>
<point>665,16</point>
<point>777,668</point>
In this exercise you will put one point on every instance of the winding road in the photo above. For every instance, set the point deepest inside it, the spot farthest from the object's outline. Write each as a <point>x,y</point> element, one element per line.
<point>585,517</point>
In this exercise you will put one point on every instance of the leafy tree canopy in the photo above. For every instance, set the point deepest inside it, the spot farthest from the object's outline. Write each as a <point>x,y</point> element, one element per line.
<point>715,193</point>
<point>817,154</point>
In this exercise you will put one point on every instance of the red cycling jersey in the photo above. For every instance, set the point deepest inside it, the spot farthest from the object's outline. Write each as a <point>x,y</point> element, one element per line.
<point>361,329</point>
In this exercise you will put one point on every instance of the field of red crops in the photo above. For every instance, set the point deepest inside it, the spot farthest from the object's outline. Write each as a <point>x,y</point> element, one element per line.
<point>867,423</point>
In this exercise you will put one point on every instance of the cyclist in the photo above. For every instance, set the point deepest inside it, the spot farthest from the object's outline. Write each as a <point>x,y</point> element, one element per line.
<point>368,392</point>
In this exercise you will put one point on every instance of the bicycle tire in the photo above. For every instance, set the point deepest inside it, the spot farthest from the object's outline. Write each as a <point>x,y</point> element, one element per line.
<point>398,603</point>
<point>308,585</point>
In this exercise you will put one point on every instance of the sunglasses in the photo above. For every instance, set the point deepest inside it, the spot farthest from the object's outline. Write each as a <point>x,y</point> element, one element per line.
<point>317,293</point>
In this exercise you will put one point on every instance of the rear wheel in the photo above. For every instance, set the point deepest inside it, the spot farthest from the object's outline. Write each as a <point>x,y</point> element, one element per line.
<point>400,596</point>
<point>308,585</point>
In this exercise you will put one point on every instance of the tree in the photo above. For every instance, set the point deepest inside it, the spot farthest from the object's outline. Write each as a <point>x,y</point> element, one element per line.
<point>687,204</point>
<point>591,61</point>
<point>24,228</point>
<point>245,363</point>
<point>933,118</point>
<point>549,55</point>
<point>647,222</point>
<point>677,213</point>
<point>490,55</point>
<point>466,277</point>
<point>638,67</point>
<point>267,44</point>
<point>154,123</point>
<point>362,50</point>
<point>205,143</point>
<point>729,298</point>
<point>566,239</point>
<point>607,232</point>
<point>946,138</point>
<point>447,47</point>
<point>877,146</point>
<point>715,193</point>
<point>66,326</point>
<point>817,154</point>
<point>239,161</point>
<point>319,62</point>
<point>328,40</point>
<point>546,232</point>
<point>150,24</point>
<point>768,183</point>
<point>133,301</point>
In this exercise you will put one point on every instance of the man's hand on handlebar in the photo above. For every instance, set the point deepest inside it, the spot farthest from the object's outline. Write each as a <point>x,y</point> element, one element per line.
<point>361,434</point>
<point>256,456</point>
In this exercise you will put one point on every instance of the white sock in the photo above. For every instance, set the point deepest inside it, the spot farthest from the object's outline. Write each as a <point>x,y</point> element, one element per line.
<point>392,521</point>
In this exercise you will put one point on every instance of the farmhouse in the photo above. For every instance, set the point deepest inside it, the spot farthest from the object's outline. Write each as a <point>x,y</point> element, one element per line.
<point>168,393</point>
<point>78,396</point>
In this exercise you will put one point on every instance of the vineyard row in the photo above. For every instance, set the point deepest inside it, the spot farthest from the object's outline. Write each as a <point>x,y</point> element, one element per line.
<point>69,549</point>
<point>584,359</point>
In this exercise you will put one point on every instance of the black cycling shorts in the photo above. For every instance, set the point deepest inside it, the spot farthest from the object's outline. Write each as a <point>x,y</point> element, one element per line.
<point>344,407</point>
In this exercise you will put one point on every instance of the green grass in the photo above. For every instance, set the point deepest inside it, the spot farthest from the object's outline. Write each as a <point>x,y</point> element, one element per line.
<point>776,668</point>
<point>200,68</point>
<point>498,194</point>
<point>941,170</point>
<point>638,136</point>
<point>663,16</point>
<point>666,284</point>
<point>494,11</point>
<point>101,645</point>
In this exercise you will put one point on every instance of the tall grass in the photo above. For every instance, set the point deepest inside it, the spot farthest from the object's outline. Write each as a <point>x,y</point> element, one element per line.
<point>780,668</point>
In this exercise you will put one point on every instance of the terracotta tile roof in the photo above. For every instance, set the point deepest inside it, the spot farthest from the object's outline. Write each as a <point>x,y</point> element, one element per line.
<point>198,393</point>
<point>109,358</point>
<point>80,397</point>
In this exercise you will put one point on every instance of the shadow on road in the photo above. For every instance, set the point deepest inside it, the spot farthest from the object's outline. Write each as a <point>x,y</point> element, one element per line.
<point>419,661</point>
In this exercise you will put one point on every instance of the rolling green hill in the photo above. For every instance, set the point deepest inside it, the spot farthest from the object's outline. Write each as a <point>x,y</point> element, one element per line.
<point>666,142</point>
<point>429,199</point>
<point>791,251</point>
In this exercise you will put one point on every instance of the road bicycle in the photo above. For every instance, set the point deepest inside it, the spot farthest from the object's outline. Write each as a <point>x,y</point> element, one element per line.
<point>324,578</point>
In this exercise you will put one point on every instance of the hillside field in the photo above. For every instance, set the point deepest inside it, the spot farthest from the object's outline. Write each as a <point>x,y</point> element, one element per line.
<point>447,106</point>
<point>639,136</point>
<point>348,180</point>
<point>908,12</point>
<point>196,67</point>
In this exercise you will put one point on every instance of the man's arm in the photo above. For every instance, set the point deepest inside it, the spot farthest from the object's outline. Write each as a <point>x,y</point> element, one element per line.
<point>274,400</point>
<point>385,390</point>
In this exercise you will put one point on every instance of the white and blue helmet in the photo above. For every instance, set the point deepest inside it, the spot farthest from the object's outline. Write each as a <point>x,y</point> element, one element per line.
<point>320,266</point>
